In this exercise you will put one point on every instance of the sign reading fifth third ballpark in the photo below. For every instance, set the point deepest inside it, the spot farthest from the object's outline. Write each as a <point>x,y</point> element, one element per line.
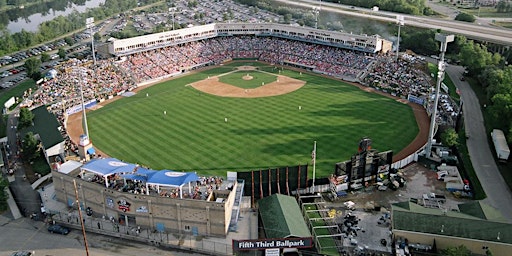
<point>261,244</point>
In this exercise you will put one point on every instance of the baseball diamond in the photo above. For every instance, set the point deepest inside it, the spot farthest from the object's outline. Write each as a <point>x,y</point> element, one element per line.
<point>266,127</point>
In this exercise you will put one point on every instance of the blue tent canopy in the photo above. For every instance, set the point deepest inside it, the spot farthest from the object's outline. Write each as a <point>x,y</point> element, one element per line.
<point>105,166</point>
<point>139,173</point>
<point>132,176</point>
<point>171,178</point>
<point>109,166</point>
<point>91,151</point>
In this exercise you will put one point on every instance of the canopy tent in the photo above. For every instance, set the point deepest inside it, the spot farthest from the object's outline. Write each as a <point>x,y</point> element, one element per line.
<point>165,178</point>
<point>106,167</point>
<point>169,178</point>
<point>139,173</point>
<point>91,151</point>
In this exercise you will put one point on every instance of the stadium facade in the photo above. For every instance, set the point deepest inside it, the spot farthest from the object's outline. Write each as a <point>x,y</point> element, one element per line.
<point>165,207</point>
<point>364,43</point>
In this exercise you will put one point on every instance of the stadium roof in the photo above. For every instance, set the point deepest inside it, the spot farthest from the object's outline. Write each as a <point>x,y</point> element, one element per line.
<point>281,217</point>
<point>408,216</point>
<point>47,126</point>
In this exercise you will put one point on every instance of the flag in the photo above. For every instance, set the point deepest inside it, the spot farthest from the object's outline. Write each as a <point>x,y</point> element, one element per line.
<point>313,153</point>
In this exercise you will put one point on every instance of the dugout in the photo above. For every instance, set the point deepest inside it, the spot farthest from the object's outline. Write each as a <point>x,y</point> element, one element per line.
<point>280,217</point>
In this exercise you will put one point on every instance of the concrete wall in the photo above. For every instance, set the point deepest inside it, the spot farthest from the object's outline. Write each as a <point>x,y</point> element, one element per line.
<point>177,215</point>
<point>443,242</point>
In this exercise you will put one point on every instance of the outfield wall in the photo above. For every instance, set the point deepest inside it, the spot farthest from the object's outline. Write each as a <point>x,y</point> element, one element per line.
<point>283,180</point>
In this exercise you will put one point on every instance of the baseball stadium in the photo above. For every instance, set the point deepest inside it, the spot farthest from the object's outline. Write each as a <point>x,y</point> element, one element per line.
<point>213,101</point>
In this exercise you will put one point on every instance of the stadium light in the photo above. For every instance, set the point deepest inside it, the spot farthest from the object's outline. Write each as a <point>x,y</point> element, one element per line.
<point>89,23</point>
<point>81,72</point>
<point>172,10</point>
<point>444,40</point>
<point>400,22</point>
<point>316,12</point>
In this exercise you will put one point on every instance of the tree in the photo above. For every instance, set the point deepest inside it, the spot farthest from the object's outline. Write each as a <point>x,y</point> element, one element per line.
<point>450,137</point>
<point>68,40</point>
<point>97,36</point>
<point>3,196</point>
<point>61,53</point>
<point>461,250</point>
<point>33,66</point>
<point>30,147</point>
<point>25,119</point>
<point>419,41</point>
<point>465,17</point>
<point>476,58</point>
<point>502,6</point>
<point>45,57</point>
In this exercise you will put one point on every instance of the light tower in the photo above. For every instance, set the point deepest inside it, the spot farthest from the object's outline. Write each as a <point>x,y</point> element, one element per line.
<point>85,148</point>
<point>444,40</point>
<point>316,12</point>
<point>172,10</point>
<point>89,23</point>
<point>400,22</point>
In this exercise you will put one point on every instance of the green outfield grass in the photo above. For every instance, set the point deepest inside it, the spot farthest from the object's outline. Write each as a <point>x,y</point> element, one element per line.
<point>236,79</point>
<point>260,132</point>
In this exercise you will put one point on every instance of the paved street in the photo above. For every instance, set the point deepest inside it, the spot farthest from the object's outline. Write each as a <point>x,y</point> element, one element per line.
<point>498,193</point>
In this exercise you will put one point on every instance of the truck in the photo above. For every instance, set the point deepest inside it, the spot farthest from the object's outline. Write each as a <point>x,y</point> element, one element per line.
<point>457,186</point>
<point>500,145</point>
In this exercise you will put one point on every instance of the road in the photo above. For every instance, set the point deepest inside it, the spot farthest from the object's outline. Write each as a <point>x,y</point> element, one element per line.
<point>470,30</point>
<point>498,193</point>
<point>30,235</point>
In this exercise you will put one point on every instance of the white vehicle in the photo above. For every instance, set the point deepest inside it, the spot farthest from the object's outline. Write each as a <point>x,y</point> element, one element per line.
<point>500,144</point>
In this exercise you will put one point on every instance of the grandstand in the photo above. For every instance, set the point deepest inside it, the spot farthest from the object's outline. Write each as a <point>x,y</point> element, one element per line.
<point>167,54</point>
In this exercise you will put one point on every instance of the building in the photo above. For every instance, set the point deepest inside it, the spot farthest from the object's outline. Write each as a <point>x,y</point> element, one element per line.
<point>166,201</point>
<point>475,225</point>
<point>47,129</point>
<point>365,43</point>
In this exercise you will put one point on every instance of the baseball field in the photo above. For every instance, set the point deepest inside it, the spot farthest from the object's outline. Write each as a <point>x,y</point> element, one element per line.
<point>248,116</point>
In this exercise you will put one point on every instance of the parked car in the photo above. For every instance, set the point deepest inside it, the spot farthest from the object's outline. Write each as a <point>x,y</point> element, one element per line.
<point>23,253</point>
<point>58,229</point>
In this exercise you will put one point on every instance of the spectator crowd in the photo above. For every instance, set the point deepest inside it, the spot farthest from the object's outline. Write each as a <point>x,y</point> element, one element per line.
<point>111,77</point>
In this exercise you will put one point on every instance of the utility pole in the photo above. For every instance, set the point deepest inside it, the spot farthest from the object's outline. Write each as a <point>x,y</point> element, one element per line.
<point>81,219</point>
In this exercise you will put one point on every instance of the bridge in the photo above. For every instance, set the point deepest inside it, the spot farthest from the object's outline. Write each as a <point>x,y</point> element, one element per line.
<point>478,31</point>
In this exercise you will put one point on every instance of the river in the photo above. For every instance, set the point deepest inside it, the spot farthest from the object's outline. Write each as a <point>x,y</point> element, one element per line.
<point>32,22</point>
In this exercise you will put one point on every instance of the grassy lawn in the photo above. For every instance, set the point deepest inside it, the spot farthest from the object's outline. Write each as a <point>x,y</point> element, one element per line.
<point>16,91</point>
<point>486,12</point>
<point>261,132</point>
<point>504,24</point>
<point>237,79</point>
